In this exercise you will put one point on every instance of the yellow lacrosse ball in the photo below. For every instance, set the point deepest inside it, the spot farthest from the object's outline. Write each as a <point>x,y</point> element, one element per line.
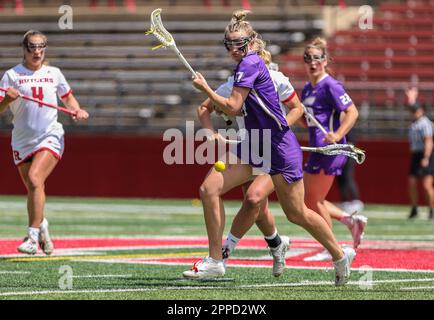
<point>219,166</point>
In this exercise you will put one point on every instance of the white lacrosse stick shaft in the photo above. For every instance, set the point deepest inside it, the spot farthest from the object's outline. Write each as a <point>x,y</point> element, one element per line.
<point>315,122</point>
<point>224,140</point>
<point>183,60</point>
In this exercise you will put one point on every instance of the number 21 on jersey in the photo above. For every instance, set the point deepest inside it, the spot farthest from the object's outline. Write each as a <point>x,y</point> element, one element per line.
<point>37,93</point>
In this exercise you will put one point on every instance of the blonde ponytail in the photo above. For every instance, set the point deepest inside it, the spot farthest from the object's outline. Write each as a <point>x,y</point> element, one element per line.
<point>259,46</point>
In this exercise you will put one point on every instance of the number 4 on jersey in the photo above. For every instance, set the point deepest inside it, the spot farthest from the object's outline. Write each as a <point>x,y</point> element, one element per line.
<point>38,94</point>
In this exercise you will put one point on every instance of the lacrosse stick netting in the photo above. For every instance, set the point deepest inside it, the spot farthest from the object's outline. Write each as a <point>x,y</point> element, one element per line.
<point>340,149</point>
<point>166,40</point>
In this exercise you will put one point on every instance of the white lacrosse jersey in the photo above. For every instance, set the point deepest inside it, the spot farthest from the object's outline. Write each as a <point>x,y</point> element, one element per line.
<point>32,121</point>
<point>283,87</point>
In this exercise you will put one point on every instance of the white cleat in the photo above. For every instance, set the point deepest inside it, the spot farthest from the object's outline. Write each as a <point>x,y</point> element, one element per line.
<point>357,228</point>
<point>343,266</point>
<point>279,254</point>
<point>208,268</point>
<point>29,246</point>
<point>321,256</point>
<point>46,244</point>
<point>44,238</point>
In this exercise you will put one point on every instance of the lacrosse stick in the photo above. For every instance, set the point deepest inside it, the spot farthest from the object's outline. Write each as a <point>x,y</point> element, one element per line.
<point>315,122</point>
<point>67,111</point>
<point>166,41</point>
<point>331,150</point>
<point>339,149</point>
<point>334,149</point>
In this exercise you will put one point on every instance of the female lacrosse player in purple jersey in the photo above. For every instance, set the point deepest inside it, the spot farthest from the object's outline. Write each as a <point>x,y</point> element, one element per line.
<point>254,88</point>
<point>278,245</point>
<point>325,98</point>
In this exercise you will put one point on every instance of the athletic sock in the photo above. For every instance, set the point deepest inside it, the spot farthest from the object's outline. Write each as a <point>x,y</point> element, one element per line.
<point>44,225</point>
<point>44,229</point>
<point>214,261</point>
<point>274,240</point>
<point>231,242</point>
<point>33,234</point>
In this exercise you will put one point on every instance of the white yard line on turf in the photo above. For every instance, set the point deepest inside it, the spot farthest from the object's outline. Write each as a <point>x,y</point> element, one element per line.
<point>104,276</point>
<point>14,272</point>
<point>161,209</point>
<point>257,286</point>
<point>114,208</point>
<point>417,288</point>
<point>133,261</point>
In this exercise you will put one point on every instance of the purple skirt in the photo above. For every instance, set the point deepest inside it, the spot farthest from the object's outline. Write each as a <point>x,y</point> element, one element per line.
<point>332,165</point>
<point>285,156</point>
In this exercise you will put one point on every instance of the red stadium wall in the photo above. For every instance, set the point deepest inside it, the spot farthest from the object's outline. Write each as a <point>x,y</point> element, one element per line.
<point>132,166</point>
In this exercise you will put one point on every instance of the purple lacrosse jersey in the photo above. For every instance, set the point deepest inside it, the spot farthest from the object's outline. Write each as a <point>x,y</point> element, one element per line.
<point>263,112</point>
<point>325,101</point>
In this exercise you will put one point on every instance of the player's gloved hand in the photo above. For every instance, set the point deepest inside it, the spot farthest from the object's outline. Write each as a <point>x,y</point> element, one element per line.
<point>12,94</point>
<point>215,137</point>
<point>332,137</point>
<point>199,82</point>
<point>81,115</point>
<point>412,94</point>
<point>218,111</point>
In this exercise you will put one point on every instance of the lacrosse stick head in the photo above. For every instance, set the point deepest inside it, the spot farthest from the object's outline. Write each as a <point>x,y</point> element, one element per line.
<point>353,152</point>
<point>359,155</point>
<point>348,150</point>
<point>158,31</point>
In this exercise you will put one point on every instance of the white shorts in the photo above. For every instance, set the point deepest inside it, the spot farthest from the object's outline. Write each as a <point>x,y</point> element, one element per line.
<point>238,151</point>
<point>52,142</point>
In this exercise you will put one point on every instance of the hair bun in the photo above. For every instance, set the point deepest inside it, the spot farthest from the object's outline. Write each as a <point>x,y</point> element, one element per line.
<point>319,42</point>
<point>239,16</point>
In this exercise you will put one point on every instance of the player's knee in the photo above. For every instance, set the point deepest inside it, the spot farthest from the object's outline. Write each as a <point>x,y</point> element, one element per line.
<point>34,181</point>
<point>207,190</point>
<point>427,186</point>
<point>412,182</point>
<point>297,215</point>
<point>253,200</point>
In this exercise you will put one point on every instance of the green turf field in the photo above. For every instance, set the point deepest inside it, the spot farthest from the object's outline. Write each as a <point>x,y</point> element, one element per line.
<point>73,276</point>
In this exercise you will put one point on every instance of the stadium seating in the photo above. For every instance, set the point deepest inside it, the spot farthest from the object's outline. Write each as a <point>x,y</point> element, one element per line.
<point>128,86</point>
<point>381,63</point>
<point>123,83</point>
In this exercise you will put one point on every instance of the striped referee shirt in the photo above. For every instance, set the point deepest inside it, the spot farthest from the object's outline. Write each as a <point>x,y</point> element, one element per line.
<point>419,130</point>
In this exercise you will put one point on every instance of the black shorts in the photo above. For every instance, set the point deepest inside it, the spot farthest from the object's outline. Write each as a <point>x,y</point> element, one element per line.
<point>415,167</point>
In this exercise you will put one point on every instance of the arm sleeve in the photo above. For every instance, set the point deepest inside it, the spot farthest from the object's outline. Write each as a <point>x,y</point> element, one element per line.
<point>428,129</point>
<point>4,83</point>
<point>285,89</point>
<point>339,98</point>
<point>246,75</point>
<point>63,88</point>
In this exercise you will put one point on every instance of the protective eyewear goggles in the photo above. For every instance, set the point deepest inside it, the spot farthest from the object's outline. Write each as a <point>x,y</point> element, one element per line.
<point>34,46</point>
<point>308,58</point>
<point>238,44</point>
